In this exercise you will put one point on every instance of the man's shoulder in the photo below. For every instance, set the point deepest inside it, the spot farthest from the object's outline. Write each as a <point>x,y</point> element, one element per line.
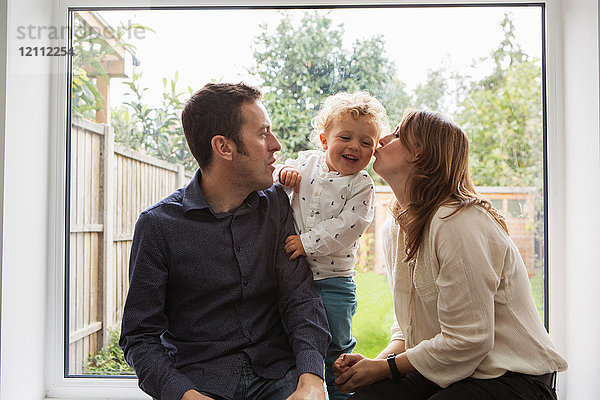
<point>174,200</point>
<point>275,196</point>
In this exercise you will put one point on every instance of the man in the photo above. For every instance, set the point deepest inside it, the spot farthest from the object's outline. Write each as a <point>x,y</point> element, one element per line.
<point>215,308</point>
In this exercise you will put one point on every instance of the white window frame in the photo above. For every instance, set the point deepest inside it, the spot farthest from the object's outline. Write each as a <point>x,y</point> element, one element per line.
<point>59,387</point>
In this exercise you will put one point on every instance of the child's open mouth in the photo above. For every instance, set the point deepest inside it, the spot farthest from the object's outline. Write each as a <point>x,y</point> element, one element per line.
<point>350,157</point>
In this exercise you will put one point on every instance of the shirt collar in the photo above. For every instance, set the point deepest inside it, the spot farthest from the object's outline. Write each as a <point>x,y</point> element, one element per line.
<point>321,163</point>
<point>193,199</point>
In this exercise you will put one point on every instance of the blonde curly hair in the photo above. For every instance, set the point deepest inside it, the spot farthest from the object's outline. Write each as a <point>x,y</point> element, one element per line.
<point>355,105</point>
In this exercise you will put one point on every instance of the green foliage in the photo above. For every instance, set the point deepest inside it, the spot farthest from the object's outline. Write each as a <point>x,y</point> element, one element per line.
<point>126,132</point>
<point>110,359</point>
<point>86,99</point>
<point>504,125</point>
<point>301,64</point>
<point>430,94</point>
<point>442,89</point>
<point>503,117</point>
<point>157,131</point>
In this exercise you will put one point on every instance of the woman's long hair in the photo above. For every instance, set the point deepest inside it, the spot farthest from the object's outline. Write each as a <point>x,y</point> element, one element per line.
<point>440,175</point>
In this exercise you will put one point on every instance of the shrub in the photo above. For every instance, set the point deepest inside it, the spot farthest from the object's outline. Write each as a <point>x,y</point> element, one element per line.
<point>110,359</point>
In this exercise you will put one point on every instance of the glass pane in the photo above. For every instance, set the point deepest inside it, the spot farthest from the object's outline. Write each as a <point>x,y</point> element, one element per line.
<point>134,69</point>
<point>518,208</point>
<point>498,204</point>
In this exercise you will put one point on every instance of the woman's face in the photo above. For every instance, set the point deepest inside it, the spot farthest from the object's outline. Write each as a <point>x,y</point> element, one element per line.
<point>393,160</point>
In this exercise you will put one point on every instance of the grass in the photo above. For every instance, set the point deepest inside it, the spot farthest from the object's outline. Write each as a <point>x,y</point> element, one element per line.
<point>375,314</point>
<point>537,290</point>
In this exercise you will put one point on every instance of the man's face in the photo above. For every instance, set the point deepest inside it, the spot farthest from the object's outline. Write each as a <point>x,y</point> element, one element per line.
<point>254,168</point>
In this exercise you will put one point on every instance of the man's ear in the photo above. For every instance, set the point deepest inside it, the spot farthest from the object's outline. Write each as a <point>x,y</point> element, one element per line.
<point>323,139</point>
<point>222,147</point>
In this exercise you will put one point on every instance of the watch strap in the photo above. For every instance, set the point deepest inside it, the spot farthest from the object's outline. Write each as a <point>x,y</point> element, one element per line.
<point>396,374</point>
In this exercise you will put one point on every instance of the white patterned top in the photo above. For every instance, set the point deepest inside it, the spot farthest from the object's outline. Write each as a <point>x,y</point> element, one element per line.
<point>331,211</point>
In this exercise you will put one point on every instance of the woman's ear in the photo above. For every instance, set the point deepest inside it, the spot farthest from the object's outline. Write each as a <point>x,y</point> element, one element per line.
<point>323,139</point>
<point>222,147</point>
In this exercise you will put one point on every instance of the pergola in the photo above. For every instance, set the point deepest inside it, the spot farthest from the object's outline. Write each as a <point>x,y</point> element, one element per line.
<point>117,65</point>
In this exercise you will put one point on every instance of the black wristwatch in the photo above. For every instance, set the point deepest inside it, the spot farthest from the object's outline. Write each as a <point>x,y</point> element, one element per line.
<point>396,374</point>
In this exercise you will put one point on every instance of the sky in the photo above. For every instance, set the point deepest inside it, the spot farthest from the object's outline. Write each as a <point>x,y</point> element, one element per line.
<point>204,45</point>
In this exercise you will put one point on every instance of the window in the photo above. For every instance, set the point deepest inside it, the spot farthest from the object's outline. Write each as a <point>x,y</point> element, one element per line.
<point>126,152</point>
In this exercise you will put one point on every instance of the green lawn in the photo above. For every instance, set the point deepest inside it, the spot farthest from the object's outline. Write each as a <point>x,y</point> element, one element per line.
<point>537,289</point>
<point>374,315</point>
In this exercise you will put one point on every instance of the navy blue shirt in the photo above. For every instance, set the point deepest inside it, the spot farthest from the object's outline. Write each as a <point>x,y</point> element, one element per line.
<point>207,287</point>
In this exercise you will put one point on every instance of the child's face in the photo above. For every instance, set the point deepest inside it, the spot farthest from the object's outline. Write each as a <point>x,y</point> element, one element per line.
<point>349,144</point>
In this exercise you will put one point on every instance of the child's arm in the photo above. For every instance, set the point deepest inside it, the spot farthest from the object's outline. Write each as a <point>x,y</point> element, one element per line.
<point>342,231</point>
<point>293,245</point>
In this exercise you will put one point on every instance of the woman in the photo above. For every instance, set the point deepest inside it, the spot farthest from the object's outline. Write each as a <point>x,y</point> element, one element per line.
<point>466,326</point>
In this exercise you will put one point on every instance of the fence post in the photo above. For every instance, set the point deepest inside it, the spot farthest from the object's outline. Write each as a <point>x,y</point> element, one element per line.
<point>181,181</point>
<point>108,268</point>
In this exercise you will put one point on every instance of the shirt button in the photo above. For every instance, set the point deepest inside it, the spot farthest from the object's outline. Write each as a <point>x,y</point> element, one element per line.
<point>245,283</point>
<point>239,248</point>
<point>237,371</point>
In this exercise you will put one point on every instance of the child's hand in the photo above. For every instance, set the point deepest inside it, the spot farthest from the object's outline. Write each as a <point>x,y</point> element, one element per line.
<point>290,177</point>
<point>293,245</point>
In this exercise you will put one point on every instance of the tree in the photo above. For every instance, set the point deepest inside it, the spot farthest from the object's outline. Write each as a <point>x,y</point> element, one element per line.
<point>442,90</point>
<point>432,92</point>
<point>157,131</point>
<point>503,117</point>
<point>301,64</point>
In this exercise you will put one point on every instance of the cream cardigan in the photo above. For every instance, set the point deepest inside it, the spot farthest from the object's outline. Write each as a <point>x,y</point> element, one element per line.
<point>464,308</point>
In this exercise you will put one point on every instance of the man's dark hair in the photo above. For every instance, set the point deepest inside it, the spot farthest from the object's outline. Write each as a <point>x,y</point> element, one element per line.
<point>215,110</point>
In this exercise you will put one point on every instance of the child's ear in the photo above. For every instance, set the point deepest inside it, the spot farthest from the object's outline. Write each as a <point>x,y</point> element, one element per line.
<point>323,139</point>
<point>222,147</point>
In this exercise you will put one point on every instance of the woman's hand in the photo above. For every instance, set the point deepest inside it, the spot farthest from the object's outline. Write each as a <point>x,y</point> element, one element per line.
<point>344,362</point>
<point>353,371</point>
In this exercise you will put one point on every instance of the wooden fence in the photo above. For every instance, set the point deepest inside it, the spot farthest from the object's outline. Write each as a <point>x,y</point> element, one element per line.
<point>110,186</point>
